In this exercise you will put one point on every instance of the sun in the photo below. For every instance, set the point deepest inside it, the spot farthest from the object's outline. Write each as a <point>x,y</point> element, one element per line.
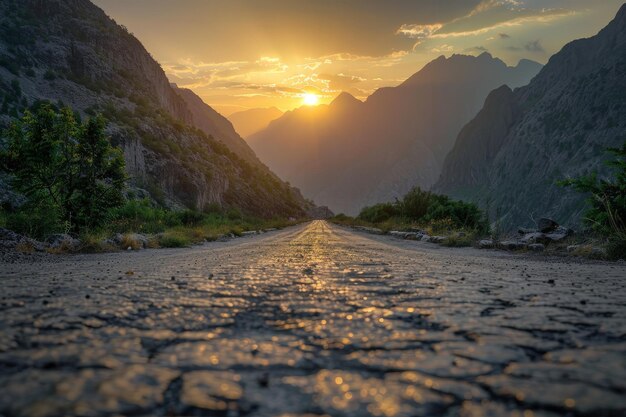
<point>310,99</point>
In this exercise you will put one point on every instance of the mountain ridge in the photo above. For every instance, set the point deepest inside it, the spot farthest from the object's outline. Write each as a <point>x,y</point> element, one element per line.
<point>70,52</point>
<point>561,123</point>
<point>350,153</point>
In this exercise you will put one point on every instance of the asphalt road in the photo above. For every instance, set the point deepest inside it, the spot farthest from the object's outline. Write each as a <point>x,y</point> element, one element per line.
<point>312,320</point>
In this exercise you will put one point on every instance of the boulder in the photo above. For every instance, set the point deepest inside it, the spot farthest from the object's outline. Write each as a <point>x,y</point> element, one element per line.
<point>249,233</point>
<point>372,230</point>
<point>406,235</point>
<point>535,237</point>
<point>546,225</point>
<point>425,238</point>
<point>555,237</point>
<point>512,245</point>
<point>63,241</point>
<point>536,247</point>
<point>11,240</point>
<point>437,239</point>
<point>486,244</point>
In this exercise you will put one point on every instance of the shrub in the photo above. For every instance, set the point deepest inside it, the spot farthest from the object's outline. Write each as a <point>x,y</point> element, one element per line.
<point>425,207</point>
<point>35,220</point>
<point>379,212</point>
<point>174,239</point>
<point>607,212</point>
<point>71,166</point>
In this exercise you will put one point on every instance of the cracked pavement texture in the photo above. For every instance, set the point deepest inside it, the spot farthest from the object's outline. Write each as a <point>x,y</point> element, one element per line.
<point>312,320</point>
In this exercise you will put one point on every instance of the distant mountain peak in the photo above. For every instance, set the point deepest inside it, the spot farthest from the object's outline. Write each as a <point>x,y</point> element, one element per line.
<point>345,99</point>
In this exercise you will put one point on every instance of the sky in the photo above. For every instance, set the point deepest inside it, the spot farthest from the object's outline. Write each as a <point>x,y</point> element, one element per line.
<point>241,54</point>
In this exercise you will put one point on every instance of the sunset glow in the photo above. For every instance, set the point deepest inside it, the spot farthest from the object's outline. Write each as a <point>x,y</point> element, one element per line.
<point>301,46</point>
<point>310,99</point>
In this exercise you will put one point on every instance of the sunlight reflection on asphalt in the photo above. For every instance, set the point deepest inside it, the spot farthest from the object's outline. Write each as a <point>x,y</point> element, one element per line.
<point>312,320</point>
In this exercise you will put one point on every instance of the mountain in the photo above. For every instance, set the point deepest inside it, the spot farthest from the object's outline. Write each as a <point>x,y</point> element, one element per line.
<point>214,124</point>
<point>523,141</point>
<point>248,122</point>
<point>69,52</point>
<point>350,153</point>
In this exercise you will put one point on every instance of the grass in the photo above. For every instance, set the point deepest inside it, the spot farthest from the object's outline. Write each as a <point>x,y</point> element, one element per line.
<point>162,228</point>
<point>455,237</point>
<point>172,229</point>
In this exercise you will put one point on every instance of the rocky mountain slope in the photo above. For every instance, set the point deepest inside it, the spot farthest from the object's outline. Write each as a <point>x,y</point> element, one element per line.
<point>205,118</point>
<point>350,153</point>
<point>70,53</point>
<point>248,122</point>
<point>558,126</point>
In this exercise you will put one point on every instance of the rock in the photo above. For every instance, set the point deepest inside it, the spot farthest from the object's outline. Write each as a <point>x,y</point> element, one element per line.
<point>372,230</point>
<point>535,237</point>
<point>547,225</point>
<point>406,235</point>
<point>11,240</point>
<point>485,244</point>
<point>437,239</point>
<point>271,229</point>
<point>536,247</point>
<point>525,231</point>
<point>64,242</point>
<point>249,233</point>
<point>573,248</point>
<point>425,238</point>
<point>555,237</point>
<point>564,231</point>
<point>414,235</point>
<point>512,245</point>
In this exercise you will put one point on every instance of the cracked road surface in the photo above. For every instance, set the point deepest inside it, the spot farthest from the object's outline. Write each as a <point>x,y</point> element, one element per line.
<point>312,320</point>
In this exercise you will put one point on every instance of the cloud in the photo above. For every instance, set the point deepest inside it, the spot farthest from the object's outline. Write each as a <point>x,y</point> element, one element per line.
<point>419,32</point>
<point>443,48</point>
<point>342,82</point>
<point>476,49</point>
<point>534,46</point>
<point>190,73</point>
<point>487,16</point>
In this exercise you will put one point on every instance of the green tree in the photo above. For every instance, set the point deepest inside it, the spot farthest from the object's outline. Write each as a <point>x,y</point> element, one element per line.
<point>60,162</point>
<point>607,212</point>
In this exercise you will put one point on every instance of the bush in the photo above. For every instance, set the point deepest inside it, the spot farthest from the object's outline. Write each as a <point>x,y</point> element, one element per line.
<point>142,217</point>
<point>425,207</point>
<point>174,240</point>
<point>607,212</point>
<point>34,220</point>
<point>60,162</point>
<point>379,212</point>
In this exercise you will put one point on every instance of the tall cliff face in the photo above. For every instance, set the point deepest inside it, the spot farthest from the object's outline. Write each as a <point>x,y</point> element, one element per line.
<point>351,154</point>
<point>70,53</point>
<point>556,127</point>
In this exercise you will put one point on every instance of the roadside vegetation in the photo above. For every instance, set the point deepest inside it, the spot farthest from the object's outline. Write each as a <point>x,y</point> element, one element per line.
<point>461,223</point>
<point>607,201</point>
<point>67,179</point>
